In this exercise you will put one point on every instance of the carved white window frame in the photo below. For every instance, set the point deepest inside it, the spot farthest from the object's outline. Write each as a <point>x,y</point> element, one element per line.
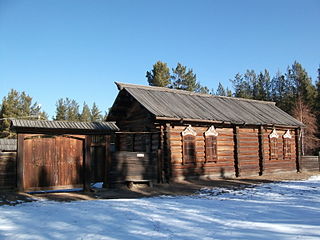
<point>274,134</point>
<point>211,132</point>
<point>287,134</point>
<point>189,131</point>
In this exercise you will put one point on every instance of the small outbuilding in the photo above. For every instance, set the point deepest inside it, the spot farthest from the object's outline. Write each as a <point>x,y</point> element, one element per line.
<point>188,134</point>
<point>61,154</point>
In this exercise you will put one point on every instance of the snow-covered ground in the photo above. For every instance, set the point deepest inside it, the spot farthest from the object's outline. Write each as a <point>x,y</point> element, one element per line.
<point>285,210</point>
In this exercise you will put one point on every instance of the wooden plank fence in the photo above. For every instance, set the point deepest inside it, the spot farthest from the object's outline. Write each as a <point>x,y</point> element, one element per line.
<point>310,163</point>
<point>8,174</point>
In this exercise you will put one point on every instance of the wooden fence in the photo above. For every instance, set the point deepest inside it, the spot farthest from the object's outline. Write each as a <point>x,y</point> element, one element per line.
<point>8,174</point>
<point>310,163</point>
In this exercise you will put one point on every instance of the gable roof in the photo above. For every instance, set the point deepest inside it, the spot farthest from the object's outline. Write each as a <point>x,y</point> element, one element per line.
<point>189,106</point>
<point>63,126</point>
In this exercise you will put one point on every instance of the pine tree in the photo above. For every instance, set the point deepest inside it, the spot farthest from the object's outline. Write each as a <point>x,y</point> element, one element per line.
<point>250,78</point>
<point>18,105</point>
<point>72,110</point>
<point>301,84</point>
<point>221,90</point>
<point>241,86</point>
<point>159,76</point>
<point>95,113</point>
<point>85,115</point>
<point>201,89</point>
<point>281,92</point>
<point>184,79</point>
<point>61,110</point>
<point>67,110</point>
<point>263,87</point>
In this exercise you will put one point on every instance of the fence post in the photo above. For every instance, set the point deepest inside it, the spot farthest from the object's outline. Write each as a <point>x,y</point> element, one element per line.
<point>319,160</point>
<point>87,164</point>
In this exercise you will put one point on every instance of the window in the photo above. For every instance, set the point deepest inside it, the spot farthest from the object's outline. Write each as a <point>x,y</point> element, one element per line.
<point>189,145</point>
<point>273,148</point>
<point>273,145</point>
<point>211,144</point>
<point>211,149</point>
<point>189,151</point>
<point>287,145</point>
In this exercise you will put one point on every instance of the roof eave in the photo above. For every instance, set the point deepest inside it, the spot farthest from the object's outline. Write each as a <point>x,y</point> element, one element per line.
<point>159,118</point>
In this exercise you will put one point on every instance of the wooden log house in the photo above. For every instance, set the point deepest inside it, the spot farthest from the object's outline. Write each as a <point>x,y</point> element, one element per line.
<point>199,135</point>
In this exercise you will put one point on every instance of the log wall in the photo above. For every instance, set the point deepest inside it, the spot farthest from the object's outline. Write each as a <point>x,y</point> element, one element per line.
<point>225,151</point>
<point>8,173</point>
<point>248,158</point>
<point>241,151</point>
<point>282,163</point>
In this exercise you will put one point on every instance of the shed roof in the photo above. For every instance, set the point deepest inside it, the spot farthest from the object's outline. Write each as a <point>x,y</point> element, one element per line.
<point>63,126</point>
<point>185,105</point>
<point>8,144</point>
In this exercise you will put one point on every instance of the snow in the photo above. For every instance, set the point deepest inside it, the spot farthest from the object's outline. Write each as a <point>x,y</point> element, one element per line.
<point>283,210</point>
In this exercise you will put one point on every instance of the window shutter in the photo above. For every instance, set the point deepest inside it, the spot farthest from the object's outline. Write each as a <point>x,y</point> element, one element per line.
<point>211,144</point>
<point>273,144</point>
<point>211,148</point>
<point>189,146</point>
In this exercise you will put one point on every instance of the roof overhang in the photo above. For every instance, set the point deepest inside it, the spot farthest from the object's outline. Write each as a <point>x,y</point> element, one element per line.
<point>208,121</point>
<point>63,127</point>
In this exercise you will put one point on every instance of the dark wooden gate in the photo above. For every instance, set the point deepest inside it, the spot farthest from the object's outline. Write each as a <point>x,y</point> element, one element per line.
<point>53,162</point>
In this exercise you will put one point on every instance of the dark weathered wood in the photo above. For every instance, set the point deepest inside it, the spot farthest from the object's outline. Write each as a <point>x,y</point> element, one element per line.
<point>162,169</point>
<point>310,163</point>
<point>51,161</point>
<point>159,166</point>
<point>167,152</point>
<point>8,169</point>
<point>20,162</point>
<point>132,166</point>
<point>87,164</point>
<point>236,150</point>
<point>261,150</point>
<point>106,182</point>
<point>298,148</point>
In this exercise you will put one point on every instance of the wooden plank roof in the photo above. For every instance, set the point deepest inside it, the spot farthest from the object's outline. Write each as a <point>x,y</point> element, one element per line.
<point>8,144</point>
<point>184,105</point>
<point>63,126</point>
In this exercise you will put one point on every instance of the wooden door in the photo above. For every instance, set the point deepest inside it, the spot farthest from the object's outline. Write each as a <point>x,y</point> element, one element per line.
<point>53,162</point>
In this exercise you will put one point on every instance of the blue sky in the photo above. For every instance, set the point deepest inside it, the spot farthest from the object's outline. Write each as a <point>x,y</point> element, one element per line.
<point>77,49</point>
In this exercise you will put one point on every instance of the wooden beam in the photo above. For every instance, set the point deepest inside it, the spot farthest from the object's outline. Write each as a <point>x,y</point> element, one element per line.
<point>87,164</point>
<point>168,150</point>
<point>261,150</point>
<point>161,167</point>
<point>107,165</point>
<point>298,148</point>
<point>189,120</point>
<point>20,162</point>
<point>181,120</point>
<point>236,150</point>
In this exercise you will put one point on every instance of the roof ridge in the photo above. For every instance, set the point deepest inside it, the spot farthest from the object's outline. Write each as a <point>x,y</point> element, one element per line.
<point>165,89</point>
<point>60,121</point>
